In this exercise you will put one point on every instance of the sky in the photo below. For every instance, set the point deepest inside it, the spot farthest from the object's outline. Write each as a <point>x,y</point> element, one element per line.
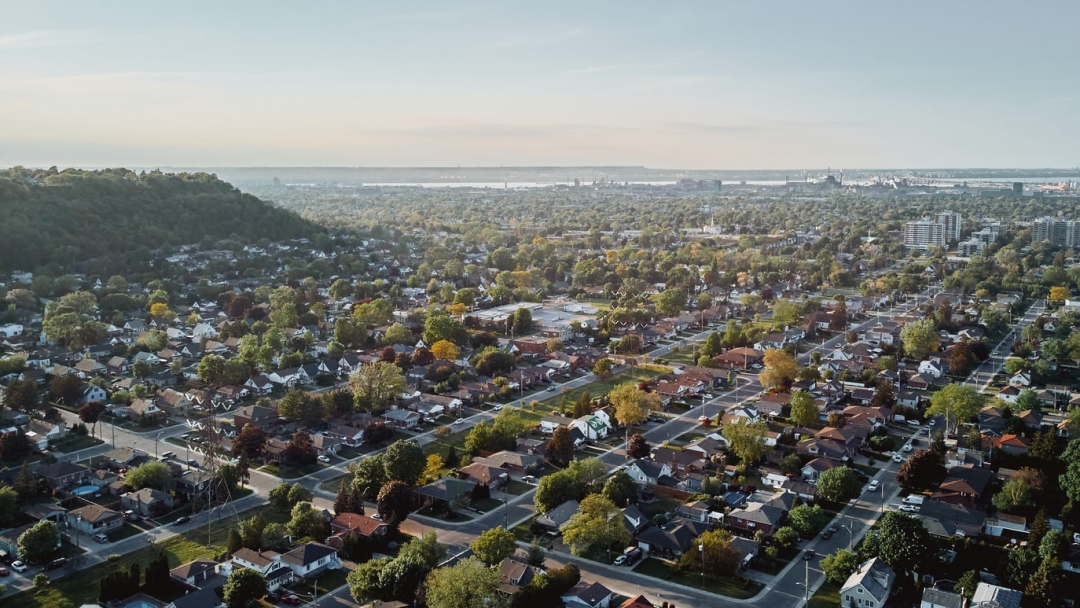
<point>777,84</point>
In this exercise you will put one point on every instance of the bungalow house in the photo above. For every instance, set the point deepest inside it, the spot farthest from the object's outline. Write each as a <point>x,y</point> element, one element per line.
<point>756,516</point>
<point>1017,445</point>
<point>9,539</point>
<point>89,368</point>
<point>1009,394</point>
<point>444,492</point>
<point>672,540</point>
<point>634,519</point>
<point>94,519</point>
<point>194,572</point>
<point>707,446</point>
<point>920,382</point>
<point>147,502</point>
<point>43,433</point>
<point>510,461</point>
<point>592,427</point>
<point>345,523</point>
<point>42,511</point>
<point>993,596</point>
<point>402,419</point>
<point>964,485</point>
<point>325,445</point>
<point>310,559</point>
<point>484,475</point>
<point>173,402</point>
<point>63,473</point>
<point>648,472</point>
<point>90,392</point>
<point>256,415</point>
<point>515,575</point>
<point>549,423</point>
<point>679,461</point>
<point>555,519</point>
<point>741,358</point>
<point>945,520</point>
<point>123,457</point>
<point>587,595</point>
<point>1003,522</point>
<point>118,366</point>
<point>869,586</point>
<point>349,436</point>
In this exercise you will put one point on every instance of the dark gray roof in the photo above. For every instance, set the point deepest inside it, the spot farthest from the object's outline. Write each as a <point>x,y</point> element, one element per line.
<point>938,597</point>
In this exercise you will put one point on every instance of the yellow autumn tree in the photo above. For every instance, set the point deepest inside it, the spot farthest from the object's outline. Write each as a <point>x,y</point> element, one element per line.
<point>780,370</point>
<point>444,349</point>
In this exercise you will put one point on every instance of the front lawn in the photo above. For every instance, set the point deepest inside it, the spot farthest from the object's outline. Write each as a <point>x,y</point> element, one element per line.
<point>74,443</point>
<point>515,487</point>
<point>333,485</point>
<point>287,472</point>
<point>737,588</point>
<point>827,596</point>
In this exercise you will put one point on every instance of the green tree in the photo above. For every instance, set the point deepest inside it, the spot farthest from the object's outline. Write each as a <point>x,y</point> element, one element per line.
<point>9,505</point>
<point>154,474</point>
<point>638,447</point>
<point>467,584</point>
<point>441,326</point>
<point>555,489</point>
<point>780,369</point>
<point>494,545</point>
<point>670,302</point>
<point>956,402</point>
<point>1015,494</point>
<point>404,461</point>
<point>603,367</point>
<point>715,549</point>
<point>919,338</point>
<point>903,543</point>
<point>807,519</point>
<point>621,489</point>
<point>839,566</point>
<point>376,383</point>
<point>1042,589</point>
<point>244,587</point>
<point>632,405</point>
<point>394,502</point>
<point>39,542</point>
<point>307,522</point>
<point>967,583</point>
<point>369,475</point>
<point>747,439</point>
<point>598,525</point>
<point>251,532</point>
<point>839,484</point>
<point>804,410</point>
<point>398,334</point>
<point>1070,479</point>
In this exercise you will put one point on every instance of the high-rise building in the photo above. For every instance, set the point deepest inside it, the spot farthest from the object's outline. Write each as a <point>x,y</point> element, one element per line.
<point>950,222</point>
<point>923,234</point>
<point>1062,233</point>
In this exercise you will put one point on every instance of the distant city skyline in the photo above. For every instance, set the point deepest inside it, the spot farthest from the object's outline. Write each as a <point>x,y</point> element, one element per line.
<point>697,85</point>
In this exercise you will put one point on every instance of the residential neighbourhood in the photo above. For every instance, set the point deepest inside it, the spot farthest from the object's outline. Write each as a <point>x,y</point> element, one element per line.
<point>693,437</point>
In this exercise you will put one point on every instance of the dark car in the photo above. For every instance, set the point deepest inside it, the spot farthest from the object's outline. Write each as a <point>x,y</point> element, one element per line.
<point>181,521</point>
<point>273,598</point>
<point>59,562</point>
<point>826,534</point>
<point>808,555</point>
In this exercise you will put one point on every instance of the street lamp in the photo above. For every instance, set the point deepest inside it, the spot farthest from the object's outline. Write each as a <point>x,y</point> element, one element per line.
<point>156,439</point>
<point>701,550</point>
<point>850,527</point>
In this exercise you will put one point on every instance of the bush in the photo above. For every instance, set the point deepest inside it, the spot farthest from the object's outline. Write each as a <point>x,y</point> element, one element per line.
<point>41,581</point>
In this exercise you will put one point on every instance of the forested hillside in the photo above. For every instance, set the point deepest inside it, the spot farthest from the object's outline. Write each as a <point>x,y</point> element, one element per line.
<point>64,218</point>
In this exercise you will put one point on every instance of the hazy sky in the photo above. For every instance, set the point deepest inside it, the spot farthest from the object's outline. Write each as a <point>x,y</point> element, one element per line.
<point>709,85</point>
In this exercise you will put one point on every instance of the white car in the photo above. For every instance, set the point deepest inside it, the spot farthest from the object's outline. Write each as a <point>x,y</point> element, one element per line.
<point>497,408</point>
<point>897,458</point>
<point>907,448</point>
<point>458,421</point>
<point>324,458</point>
<point>18,566</point>
<point>874,484</point>
<point>909,508</point>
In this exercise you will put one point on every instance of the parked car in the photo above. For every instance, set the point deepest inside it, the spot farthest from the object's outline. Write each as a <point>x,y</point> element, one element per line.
<point>497,408</point>
<point>101,538</point>
<point>897,458</point>
<point>833,527</point>
<point>167,455</point>
<point>273,598</point>
<point>458,421</point>
<point>57,563</point>
<point>551,389</point>
<point>18,566</point>
<point>181,521</point>
<point>914,423</point>
<point>4,571</point>
<point>529,479</point>
<point>131,515</point>
<point>324,458</point>
<point>826,534</point>
<point>621,560</point>
<point>873,485</point>
<point>907,448</point>
<point>808,555</point>
<point>909,508</point>
<point>291,600</point>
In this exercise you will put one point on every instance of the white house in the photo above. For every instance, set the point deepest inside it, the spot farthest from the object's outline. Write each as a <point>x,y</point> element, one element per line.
<point>11,330</point>
<point>203,331</point>
<point>310,559</point>
<point>647,472</point>
<point>91,392</point>
<point>932,367</point>
<point>869,586</point>
<point>591,427</point>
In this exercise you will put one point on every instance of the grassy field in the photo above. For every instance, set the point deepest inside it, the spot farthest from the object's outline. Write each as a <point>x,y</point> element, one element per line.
<point>74,443</point>
<point>827,596</point>
<point>721,585</point>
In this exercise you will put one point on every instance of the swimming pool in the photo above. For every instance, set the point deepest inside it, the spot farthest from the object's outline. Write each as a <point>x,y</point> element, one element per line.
<point>139,604</point>
<point>85,490</point>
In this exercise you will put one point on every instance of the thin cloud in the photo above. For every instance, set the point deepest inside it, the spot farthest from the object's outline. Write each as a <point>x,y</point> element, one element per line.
<point>46,38</point>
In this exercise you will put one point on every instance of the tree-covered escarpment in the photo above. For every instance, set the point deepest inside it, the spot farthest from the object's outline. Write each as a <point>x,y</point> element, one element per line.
<point>73,216</point>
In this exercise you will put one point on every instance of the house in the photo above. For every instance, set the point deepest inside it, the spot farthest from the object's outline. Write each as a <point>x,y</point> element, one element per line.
<point>936,598</point>
<point>94,519</point>
<point>484,475</point>
<point>144,407</point>
<point>680,461</point>
<point>741,358</point>
<point>549,423</point>
<point>259,385</point>
<point>257,415</point>
<point>592,427</point>
<point>444,492</point>
<point>555,519</point>
<point>987,596</point>
<point>637,602</point>
<point>869,586</point>
<point>267,563</point>
<point>310,559</point>
<point>193,482</point>
<point>195,572</point>
<point>122,457</point>
<point>326,445</point>
<point>345,523</point>
<point>403,419</point>
<point>43,433</point>
<point>203,597</point>
<point>920,382</point>
<point>9,539</point>
<point>147,502</point>
<point>945,520</point>
<point>932,367</point>
<point>964,485</point>
<point>756,516</point>
<point>634,519</point>
<point>647,472</point>
<point>90,392</point>
<point>672,540</point>
<point>511,461</point>
<point>515,575</point>
<point>42,511</point>
<point>590,595</point>
<point>63,473</point>
<point>118,366</point>
<point>89,368</point>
